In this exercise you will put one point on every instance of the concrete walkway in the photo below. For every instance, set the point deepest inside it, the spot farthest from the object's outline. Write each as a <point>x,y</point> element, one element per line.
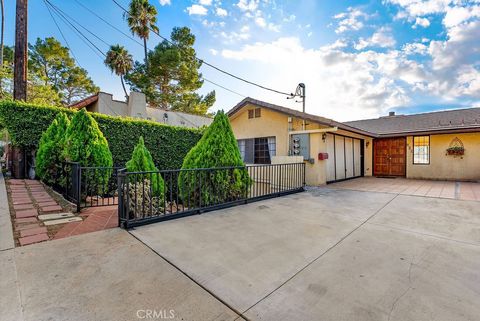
<point>333,255</point>
<point>467,191</point>
<point>106,275</point>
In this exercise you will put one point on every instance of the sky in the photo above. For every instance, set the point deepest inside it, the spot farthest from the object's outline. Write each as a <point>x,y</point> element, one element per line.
<point>358,59</point>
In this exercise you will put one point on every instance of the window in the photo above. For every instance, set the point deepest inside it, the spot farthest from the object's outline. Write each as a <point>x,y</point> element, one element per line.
<point>254,113</point>
<point>421,149</point>
<point>257,150</point>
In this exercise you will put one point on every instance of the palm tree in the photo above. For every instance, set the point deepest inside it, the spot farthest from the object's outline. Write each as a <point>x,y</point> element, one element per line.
<point>141,18</point>
<point>120,62</point>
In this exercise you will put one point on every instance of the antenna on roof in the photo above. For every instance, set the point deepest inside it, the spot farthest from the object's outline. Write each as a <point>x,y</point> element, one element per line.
<point>300,92</point>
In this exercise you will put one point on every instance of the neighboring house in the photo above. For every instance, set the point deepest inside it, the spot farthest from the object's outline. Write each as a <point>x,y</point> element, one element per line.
<point>413,146</point>
<point>136,106</point>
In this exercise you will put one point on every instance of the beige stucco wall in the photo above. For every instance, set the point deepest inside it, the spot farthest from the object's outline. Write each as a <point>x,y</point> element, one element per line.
<point>447,167</point>
<point>276,124</point>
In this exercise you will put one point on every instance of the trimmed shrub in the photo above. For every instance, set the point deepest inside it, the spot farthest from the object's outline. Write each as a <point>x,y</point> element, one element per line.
<point>50,158</point>
<point>142,162</point>
<point>217,148</point>
<point>27,122</point>
<point>85,143</point>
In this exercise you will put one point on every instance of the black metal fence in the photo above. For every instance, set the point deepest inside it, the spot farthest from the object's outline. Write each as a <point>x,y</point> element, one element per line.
<point>146,197</point>
<point>91,186</point>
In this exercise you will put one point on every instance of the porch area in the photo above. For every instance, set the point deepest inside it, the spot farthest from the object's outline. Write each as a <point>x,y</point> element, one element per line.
<point>469,191</point>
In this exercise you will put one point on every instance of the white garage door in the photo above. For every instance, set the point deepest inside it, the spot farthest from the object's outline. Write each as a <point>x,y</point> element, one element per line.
<point>345,155</point>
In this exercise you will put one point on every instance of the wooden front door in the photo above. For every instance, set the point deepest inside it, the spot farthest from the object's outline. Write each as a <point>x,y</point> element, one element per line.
<point>389,157</point>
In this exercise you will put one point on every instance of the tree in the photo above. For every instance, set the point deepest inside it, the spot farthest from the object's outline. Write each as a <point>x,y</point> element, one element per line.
<point>141,18</point>
<point>38,92</point>
<point>142,161</point>
<point>217,148</point>
<point>85,144</point>
<point>50,157</point>
<point>52,63</point>
<point>120,62</point>
<point>173,77</point>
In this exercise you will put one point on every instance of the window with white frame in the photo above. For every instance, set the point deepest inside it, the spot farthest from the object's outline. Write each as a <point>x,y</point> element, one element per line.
<point>421,149</point>
<point>257,150</point>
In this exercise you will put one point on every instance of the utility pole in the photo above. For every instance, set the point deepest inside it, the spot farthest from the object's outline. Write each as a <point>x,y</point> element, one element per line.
<point>20,58</point>
<point>300,92</point>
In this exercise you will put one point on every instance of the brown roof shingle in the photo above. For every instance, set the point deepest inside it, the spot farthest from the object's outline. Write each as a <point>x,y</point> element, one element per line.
<point>440,121</point>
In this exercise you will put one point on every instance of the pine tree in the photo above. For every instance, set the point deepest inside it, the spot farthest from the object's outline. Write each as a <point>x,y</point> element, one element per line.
<point>216,148</point>
<point>86,145</point>
<point>142,161</point>
<point>50,158</point>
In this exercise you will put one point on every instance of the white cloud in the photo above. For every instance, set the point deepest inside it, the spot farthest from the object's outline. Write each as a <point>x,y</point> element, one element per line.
<point>457,15</point>
<point>381,38</point>
<point>196,9</point>
<point>248,5</point>
<point>205,2</point>
<point>290,18</point>
<point>350,20</point>
<point>422,22</point>
<point>214,52</point>
<point>221,12</point>
<point>165,2</point>
<point>260,21</point>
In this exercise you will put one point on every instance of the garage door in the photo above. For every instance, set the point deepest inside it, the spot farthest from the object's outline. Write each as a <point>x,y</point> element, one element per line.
<point>345,157</point>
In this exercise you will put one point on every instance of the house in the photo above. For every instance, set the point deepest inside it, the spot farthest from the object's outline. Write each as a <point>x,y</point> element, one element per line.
<point>439,145</point>
<point>136,107</point>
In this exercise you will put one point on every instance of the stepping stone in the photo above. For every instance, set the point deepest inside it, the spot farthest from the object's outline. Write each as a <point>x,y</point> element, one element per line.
<point>26,213</point>
<point>23,207</point>
<point>46,203</point>
<point>46,217</point>
<point>62,221</point>
<point>53,208</point>
<point>33,182</point>
<point>33,231</point>
<point>21,201</point>
<point>26,220</point>
<point>33,239</point>
<point>16,182</point>
<point>26,226</point>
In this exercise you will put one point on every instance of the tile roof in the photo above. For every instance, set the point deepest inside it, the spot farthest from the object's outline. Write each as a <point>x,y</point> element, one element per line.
<point>84,102</point>
<point>439,121</point>
<point>295,113</point>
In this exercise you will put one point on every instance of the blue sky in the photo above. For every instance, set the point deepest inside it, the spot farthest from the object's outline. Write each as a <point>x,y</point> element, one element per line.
<point>358,59</point>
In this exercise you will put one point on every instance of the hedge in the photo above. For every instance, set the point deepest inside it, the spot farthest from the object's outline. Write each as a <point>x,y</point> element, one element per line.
<point>167,144</point>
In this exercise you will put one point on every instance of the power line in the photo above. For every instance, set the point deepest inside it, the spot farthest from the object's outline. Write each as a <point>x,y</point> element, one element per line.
<point>58,12</point>
<point>61,33</point>
<point>89,43</point>
<point>227,89</point>
<point>209,64</point>
<point>108,23</point>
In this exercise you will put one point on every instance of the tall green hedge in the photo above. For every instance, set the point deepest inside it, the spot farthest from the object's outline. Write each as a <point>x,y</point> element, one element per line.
<point>217,148</point>
<point>167,144</point>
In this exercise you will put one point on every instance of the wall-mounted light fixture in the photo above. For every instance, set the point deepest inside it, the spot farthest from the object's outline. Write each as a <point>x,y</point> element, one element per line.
<point>324,137</point>
<point>367,143</point>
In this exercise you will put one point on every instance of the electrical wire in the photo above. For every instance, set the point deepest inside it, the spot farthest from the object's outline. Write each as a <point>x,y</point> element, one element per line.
<point>61,33</point>
<point>211,65</point>
<point>108,23</point>
<point>58,12</point>
<point>227,89</point>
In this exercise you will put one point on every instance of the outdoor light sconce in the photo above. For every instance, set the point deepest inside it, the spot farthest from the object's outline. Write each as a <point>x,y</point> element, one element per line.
<point>367,143</point>
<point>324,137</point>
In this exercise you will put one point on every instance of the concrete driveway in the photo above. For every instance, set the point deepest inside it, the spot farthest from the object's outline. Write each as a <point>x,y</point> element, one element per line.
<point>333,255</point>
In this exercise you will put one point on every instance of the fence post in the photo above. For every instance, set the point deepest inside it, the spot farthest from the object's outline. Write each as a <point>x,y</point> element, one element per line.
<point>77,182</point>
<point>120,191</point>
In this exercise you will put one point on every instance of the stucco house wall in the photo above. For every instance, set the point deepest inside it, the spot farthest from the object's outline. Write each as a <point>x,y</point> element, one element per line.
<point>273,123</point>
<point>447,167</point>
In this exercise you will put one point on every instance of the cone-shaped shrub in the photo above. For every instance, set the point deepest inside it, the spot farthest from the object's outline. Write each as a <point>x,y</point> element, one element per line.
<point>142,161</point>
<point>216,148</point>
<point>49,159</point>
<point>85,144</point>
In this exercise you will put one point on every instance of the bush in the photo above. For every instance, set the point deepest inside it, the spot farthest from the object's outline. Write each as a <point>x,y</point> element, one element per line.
<point>85,144</point>
<point>217,148</point>
<point>50,157</point>
<point>142,162</point>
<point>27,122</point>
